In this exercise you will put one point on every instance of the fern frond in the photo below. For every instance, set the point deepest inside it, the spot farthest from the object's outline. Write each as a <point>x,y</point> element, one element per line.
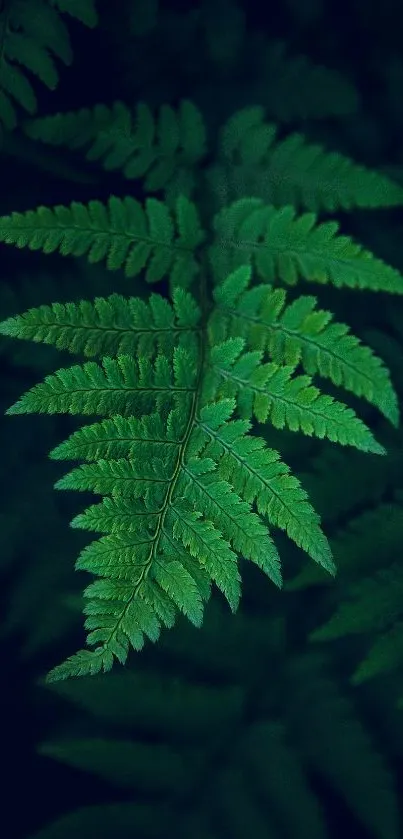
<point>179,476</point>
<point>258,475</point>
<point>171,501</point>
<point>187,490</point>
<point>299,333</point>
<point>293,171</point>
<point>175,505</point>
<point>279,244</point>
<point>31,34</point>
<point>120,437</point>
<point>270,391</point>
<point>218,502</point>
<point>112,326</point>
<point>119,516</point>
<point>179,483</point>
<point>161,149</point>
<point>117,386</point>
<point>122,233</point>
<point>83,663</point>
<point>255,472</point>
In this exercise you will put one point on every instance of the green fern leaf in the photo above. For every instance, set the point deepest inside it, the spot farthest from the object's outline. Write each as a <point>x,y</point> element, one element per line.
<point>181,588</point>
<point>219,503</point>
<point>279,244</point>
<point>110,326</point>
<point>206,543</point>
<point>258,475</point>
<point>269,391</point>
<point>300,334</point>
<point>111,388</point>
<point>83,663</point>
<point>120,437</point>
<point>122,233</point>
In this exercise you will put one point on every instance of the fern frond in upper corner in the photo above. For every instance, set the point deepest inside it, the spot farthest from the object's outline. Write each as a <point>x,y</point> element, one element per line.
<point>31,34</point>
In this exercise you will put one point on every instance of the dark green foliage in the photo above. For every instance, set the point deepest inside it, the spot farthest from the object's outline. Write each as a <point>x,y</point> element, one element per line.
<point>32,35</point>
<point>203,738</point>
<point>162,149</point>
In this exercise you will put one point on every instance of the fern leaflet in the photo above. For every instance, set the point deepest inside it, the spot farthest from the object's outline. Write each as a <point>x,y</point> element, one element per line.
<point>123,233</point>
<point>162,150</point>
<point>280,244</point>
